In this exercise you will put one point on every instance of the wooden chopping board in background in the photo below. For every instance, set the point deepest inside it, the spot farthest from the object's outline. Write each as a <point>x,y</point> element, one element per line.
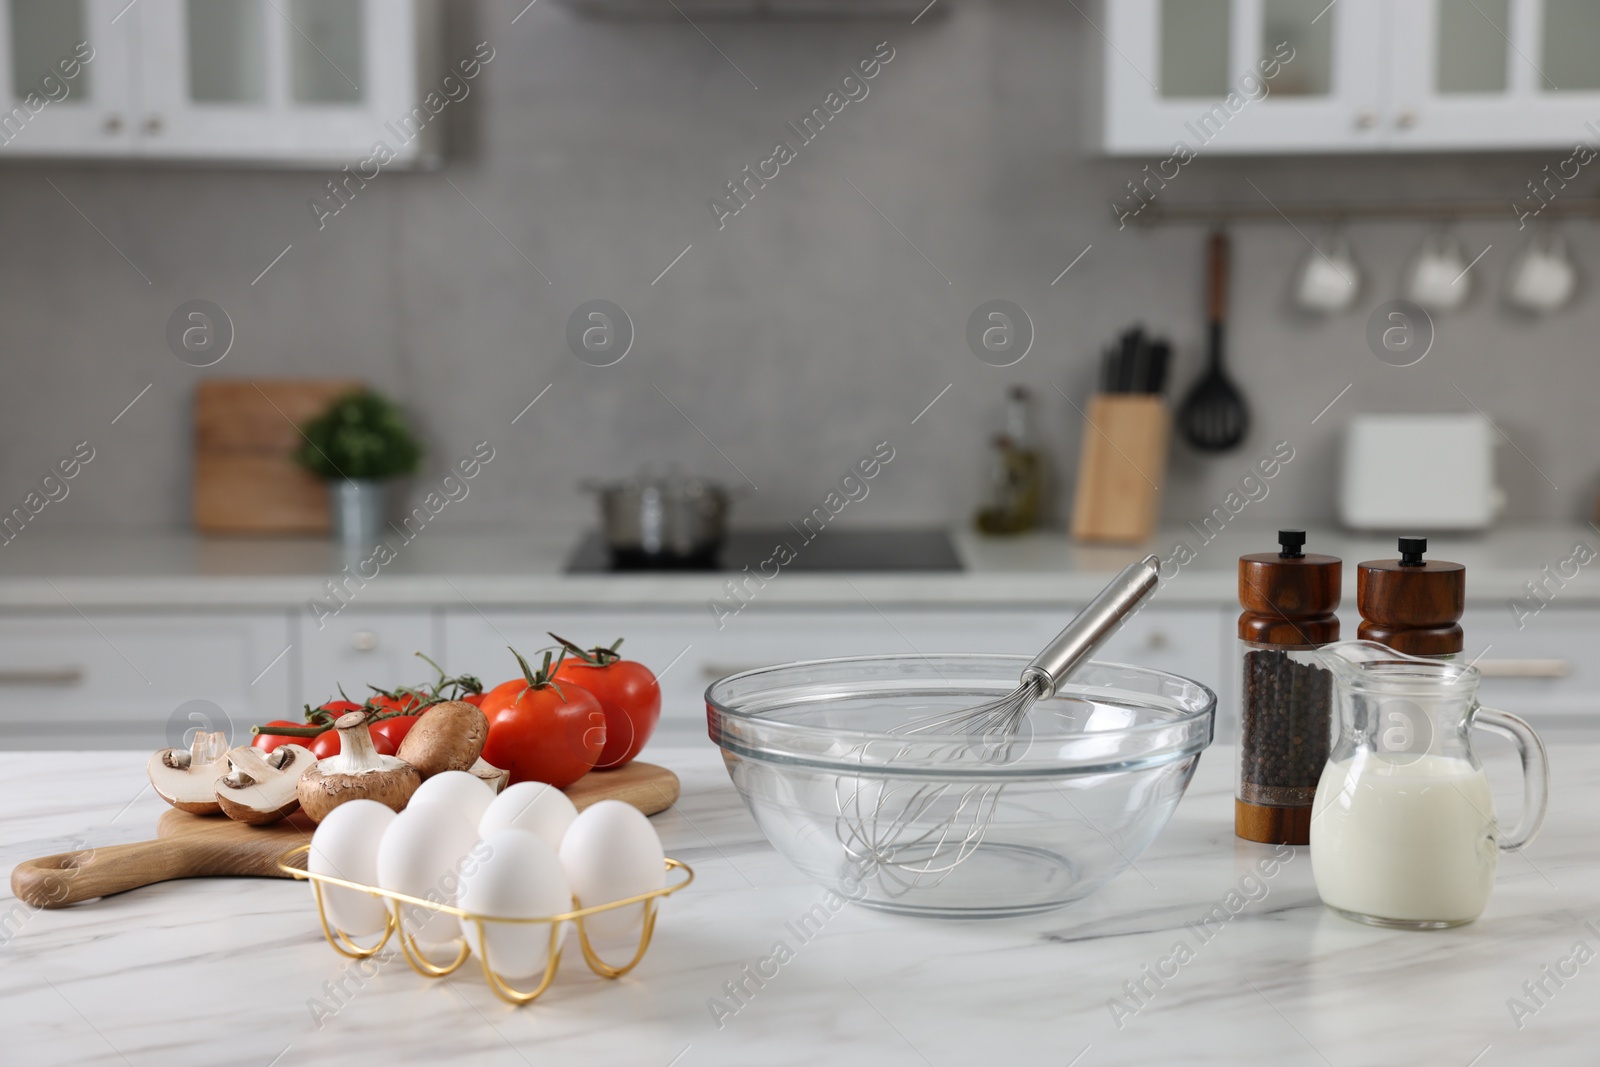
<point>197,846</point>
<point>245,431</point>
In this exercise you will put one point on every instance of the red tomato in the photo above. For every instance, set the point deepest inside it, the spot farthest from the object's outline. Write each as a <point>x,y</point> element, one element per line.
<point>546,735</point>
<point>268,742</point>
<point>394,731</point>
<point>325,744</point>
<point>629,697</point>
<point>402,702</point>
<point>475,699</point>
<point>501,696</point>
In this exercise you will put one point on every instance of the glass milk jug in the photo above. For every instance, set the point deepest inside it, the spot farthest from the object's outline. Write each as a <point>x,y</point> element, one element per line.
<point>1403,831</point>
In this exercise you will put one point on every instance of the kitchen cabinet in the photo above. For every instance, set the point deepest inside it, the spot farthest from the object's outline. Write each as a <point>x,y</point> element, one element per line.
<point>1269,76</point>
<point>1546,671</point>
<point>354,649</point>
<point>289,82</point>
<point>113,680</point>
<point>689,652</point>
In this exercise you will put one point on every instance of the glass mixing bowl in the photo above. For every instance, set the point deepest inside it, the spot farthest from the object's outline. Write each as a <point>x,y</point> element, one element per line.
<point>828,758</point>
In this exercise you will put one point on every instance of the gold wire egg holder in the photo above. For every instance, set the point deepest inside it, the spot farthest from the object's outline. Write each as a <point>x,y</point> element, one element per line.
<point>394,924</point>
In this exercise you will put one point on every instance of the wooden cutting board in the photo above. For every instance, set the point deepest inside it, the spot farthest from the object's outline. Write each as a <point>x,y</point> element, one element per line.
<point>245,432</point>
<point>195,846</point>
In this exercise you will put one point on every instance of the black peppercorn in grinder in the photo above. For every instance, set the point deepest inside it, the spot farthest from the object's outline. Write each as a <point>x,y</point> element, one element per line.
<point>1411,604</point>
<point>1285,701</point>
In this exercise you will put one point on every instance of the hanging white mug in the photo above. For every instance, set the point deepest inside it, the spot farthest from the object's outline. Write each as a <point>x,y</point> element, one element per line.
<point>1437,279</point>
<point>1543,277</point>
<point>1328,281</point>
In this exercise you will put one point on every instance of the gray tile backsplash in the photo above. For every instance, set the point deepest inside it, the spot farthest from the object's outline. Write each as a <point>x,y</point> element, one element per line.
<point>794,338</point>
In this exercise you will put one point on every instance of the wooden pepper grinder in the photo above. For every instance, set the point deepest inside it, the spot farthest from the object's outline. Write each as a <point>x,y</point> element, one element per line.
<point>1286,701</point>
<point>1411,604</point>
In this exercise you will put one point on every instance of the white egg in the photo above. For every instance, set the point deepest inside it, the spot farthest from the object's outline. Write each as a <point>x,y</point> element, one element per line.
<point>532,806</point>
<point>346,846</point>
<point>466,793</point>
<point>518,876</point>
<point>424,854</point>
<point>612,852</point>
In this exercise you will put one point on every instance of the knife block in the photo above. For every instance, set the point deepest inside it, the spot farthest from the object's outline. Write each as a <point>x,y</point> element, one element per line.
<point>1121,468</point>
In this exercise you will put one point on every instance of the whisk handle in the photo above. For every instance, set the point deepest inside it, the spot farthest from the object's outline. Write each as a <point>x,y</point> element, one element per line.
<point>1093,626</point>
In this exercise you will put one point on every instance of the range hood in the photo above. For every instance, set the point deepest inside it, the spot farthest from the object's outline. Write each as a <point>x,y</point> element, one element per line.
<point>697,10</point>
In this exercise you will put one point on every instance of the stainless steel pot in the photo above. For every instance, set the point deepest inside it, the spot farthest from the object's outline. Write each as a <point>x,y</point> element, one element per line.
<point>665,522</point>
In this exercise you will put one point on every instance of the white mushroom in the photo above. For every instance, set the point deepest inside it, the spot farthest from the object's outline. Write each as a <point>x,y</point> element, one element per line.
<point>262,787</point>
<point>357,772</point>
<point>187,779</point>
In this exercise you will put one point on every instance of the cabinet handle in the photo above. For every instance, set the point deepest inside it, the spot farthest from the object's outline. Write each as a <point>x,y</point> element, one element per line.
<point>153,124</point>
<point>364,640</point>
<point>112,124</point>
<point>1524,668</point>
<point>712,671</point>
<point>1406,119</point>
<point>57,676</point>
<point>1366,119</point>
<point>1157,640</point>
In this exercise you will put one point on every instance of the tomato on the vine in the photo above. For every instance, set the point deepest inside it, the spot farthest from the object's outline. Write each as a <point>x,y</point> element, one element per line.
<point>267,742</point>
<point>393,731</point>
<point>547,732</point>
<point>627,692</point>
<point>501,696</point>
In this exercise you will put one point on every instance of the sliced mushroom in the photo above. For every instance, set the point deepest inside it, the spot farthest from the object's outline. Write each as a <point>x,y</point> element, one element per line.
<point>187,779</point>
<point>357,772</point>
<point>493,776</point>
<point>448,737</point>
<point>261,787</point>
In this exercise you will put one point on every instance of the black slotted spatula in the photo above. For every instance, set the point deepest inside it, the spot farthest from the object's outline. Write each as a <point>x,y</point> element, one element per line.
<point>1214,416</point>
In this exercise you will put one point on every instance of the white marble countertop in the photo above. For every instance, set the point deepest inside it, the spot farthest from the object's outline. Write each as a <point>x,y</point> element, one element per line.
<point>222,970</point>
<point>182,571</point>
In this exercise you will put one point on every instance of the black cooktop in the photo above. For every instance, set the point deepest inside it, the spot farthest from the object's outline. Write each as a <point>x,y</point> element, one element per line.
<point>913,549</point>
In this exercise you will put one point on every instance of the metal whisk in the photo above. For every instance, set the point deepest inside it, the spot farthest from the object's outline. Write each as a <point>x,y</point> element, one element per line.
<point>914,834</point>
<point>1083,636</point>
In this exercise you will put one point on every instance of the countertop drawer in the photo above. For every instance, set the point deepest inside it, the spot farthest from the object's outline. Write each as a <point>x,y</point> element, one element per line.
<point>690,653</point>
<point>355,649</point>
<point>1547,669</point>
<point>109,680</point>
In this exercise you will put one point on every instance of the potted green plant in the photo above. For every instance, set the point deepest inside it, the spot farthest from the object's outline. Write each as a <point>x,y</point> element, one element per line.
<point>357,446</point>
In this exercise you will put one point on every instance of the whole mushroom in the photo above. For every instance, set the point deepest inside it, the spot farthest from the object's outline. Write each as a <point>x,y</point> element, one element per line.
<point>357,772</point>
<point>448,737</point>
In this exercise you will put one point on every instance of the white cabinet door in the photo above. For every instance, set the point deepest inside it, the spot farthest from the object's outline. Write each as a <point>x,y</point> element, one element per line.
<point>1242,76</point>
<point>357,649</point>
<point>66,77</point>
<point>689,653</point>
<point>127,681</point>
<point>1546,671</point>
<point>1496,74</point>
<point>299,81</point>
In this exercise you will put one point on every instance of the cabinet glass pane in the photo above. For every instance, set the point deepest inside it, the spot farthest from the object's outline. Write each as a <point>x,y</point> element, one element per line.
<point>326,51</point>
<point>1472,45</point>
<point>1194,47</point>
<point>1571,45</point>
<point>227,51</point>
<point>1307,27</point>
<point>44,32</point>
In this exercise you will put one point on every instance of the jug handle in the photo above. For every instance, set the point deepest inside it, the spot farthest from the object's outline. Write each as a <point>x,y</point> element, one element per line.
<point>1535,773</point>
